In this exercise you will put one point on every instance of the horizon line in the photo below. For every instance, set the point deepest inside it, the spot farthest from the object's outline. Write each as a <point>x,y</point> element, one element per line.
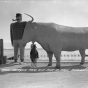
<point>25,48</point>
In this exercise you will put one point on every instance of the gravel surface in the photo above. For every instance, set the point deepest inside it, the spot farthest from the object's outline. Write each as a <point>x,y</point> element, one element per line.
<point>71,75</point>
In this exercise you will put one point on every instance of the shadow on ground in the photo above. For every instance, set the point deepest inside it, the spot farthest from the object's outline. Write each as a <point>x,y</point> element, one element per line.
<point>42,67</point>
<point>6,65</point>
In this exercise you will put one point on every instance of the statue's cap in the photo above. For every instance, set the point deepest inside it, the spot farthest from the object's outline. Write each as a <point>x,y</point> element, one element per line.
<point>18,14</point>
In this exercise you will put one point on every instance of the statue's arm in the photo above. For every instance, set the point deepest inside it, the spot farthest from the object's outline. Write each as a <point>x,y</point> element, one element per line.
<point>11,35</point>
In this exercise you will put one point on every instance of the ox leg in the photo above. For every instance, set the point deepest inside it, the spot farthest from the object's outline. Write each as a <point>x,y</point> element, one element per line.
<point>50,55</point>
<point>82,52</point>
<point>57,56</point>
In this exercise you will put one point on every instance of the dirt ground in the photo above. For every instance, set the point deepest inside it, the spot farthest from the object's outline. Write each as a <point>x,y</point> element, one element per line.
<point>71,75</point>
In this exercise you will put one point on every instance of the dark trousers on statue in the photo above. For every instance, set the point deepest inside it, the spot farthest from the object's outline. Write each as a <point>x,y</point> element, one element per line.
<point>18,44</point>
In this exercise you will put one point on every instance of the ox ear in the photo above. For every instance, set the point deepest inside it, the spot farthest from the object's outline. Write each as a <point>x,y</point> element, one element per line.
<point>28,25</point>
<point>34,25</point>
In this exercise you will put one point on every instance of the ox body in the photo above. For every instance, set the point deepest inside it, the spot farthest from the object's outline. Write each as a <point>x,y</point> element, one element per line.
<point>55,38</point>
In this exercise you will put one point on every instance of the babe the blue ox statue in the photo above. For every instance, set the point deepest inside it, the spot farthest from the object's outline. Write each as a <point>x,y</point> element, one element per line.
<point>55,38</point>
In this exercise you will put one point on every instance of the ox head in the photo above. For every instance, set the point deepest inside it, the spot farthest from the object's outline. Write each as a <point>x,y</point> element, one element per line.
<point>29,32</point>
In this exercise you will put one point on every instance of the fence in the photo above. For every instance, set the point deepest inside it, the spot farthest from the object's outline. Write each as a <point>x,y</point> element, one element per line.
<point>72,56</point>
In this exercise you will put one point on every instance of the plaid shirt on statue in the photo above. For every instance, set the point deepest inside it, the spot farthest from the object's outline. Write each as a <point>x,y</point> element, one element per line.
<point>16,30</point>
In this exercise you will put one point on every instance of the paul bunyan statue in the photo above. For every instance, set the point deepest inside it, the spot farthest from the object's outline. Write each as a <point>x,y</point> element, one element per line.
<point>55,38</point>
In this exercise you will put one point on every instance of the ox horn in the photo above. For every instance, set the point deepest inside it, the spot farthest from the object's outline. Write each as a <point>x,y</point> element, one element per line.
<point>30,16</point>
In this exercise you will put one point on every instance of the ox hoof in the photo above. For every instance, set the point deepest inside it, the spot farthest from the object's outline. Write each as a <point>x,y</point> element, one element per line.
<point>49,64</point>
<point>81,63</point>
<point>57,67</point>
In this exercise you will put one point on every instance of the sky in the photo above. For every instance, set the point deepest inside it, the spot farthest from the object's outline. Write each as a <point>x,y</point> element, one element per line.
<point>65,12</point>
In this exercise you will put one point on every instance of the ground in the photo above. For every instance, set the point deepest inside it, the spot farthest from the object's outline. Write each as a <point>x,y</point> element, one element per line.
<point>71,75</point>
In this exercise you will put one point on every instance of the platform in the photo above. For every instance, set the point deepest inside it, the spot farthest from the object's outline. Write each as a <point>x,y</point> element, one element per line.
<point>71,75</point>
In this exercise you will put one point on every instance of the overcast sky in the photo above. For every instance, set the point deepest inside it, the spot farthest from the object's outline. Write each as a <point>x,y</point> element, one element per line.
<point>64,12</point>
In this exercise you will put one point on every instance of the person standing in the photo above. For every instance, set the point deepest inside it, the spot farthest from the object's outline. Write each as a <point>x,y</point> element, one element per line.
<point>33,55</point>
<point>16,34</point>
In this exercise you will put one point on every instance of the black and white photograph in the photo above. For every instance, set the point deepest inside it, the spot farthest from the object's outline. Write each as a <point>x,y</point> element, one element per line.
<point>43,43</point>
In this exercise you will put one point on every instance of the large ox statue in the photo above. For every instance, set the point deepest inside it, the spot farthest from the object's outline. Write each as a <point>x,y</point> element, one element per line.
<point>55,38</point>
